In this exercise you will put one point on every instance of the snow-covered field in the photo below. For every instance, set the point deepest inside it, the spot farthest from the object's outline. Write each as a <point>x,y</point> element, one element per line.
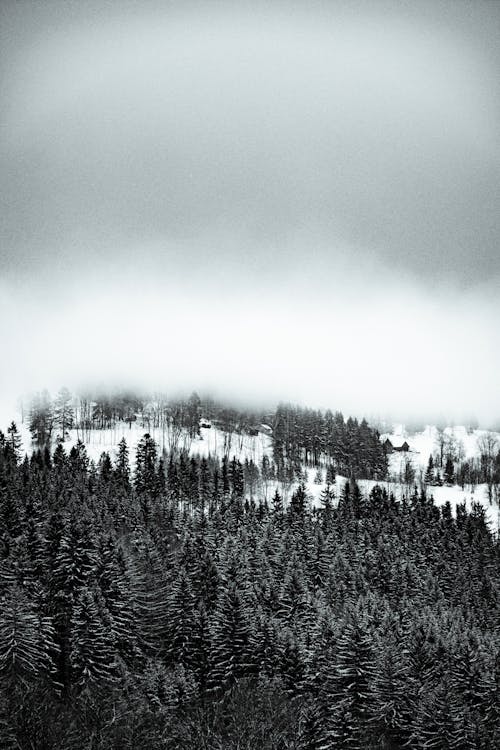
<point>213,441</point>
<point>454,495</point>
<point>423,444</point>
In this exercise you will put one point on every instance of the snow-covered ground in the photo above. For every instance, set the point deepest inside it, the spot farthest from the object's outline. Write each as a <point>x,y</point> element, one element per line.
<point>454,495</point>
<point>213,441</point>
<point>426,443</point>
<point>423,444</point>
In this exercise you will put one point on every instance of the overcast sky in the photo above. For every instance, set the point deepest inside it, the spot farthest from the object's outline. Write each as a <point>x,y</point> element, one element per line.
<point>283,200</point>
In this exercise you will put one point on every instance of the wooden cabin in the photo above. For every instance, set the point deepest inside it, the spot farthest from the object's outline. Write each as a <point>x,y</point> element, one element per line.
<point>402,448</point>
<point>390,448</point>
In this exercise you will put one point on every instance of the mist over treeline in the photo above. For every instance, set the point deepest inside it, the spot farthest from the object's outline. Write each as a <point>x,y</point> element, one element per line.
<point>323,337</point>
<point>104,405</point>
<point>297,436</point>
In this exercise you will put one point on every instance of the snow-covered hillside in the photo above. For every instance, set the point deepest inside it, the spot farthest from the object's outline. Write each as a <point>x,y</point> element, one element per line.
<point>426,443</point>
<point>423,444</point>
<point>215,442</point>
<point>210,441</point>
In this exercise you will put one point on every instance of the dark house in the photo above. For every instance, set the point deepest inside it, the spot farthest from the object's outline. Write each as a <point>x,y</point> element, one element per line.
<point>390,448</point>
<point>402,448</point>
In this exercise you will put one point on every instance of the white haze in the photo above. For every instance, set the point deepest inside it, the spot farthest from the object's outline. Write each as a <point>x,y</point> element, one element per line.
<point>290,200</point>
<point>364,341</point>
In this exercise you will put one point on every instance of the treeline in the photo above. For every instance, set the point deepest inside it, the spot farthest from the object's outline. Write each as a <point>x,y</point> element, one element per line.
<point>300,436</point>
<point>138,611</point>
<point>50,418</point>
<point>306,436</point>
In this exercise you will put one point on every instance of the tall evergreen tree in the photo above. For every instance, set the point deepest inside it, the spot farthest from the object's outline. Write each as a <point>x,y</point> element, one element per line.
<point>64,414</point>
<point>93,659</point>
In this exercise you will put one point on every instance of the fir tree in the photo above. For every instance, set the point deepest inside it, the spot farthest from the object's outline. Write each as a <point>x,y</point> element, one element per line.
<point>145,465</point>
<point>92,655</point>
<point>26,640</point>
<point>231,656</point>
<point>122,466</point>
<point>63,412</point>
<point>429,474</point>
<point>41,419</point>
<point>449,471</point>
<point>14,442</point>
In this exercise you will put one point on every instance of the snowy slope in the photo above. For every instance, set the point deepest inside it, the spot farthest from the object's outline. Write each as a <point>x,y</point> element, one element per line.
<point>423,444</point>
<point>213,441</point>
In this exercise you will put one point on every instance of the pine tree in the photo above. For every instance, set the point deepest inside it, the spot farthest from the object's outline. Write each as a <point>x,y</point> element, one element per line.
<point>449,471</point>
<point>146,477</point>
<point>277,504</point>
<point>318,477</point>
<point>236,479</point>
<point>353,691</point>
<point>292,664</point>
<point>64,414</point>
<point>41,419</point>
<point>26,640</point>
<point>298,503</point>
<point>193,483</point>
<point>14,442</point>
<point>206,580</point>
<point>92,655</point>
<point>393,710</point>
<point>113,578</point>
<point>327,498</point>
<point>122,467</point>
<point>293,598</point>
<point>193,414</point>
<point>205,482</point>
<point>150,591</point>
<point>429,474</point>
<point>231,657</point>
<point>181,615</point>
<point>437,722</point>
<point>311,734</point>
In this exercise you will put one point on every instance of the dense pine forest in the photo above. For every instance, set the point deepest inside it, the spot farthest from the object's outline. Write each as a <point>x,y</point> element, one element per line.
<point>166,602</point>
<point>249,393</point>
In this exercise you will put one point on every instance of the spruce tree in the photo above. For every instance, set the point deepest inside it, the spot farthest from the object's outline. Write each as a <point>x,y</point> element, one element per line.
<point>145,465</point>
<point>63,413</point>
<point>92,655</point>
<point>429,474</point>
<point>449,471</point>
<point>354,685</point>
<point>41,419</point>
<point>122,467</point>
<point>26,641</point>
<point>231,656</point>
<point>14,442</point>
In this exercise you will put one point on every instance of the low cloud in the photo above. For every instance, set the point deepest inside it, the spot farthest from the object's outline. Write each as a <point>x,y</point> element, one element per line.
<point>384,346</point>
<point>296,201</point>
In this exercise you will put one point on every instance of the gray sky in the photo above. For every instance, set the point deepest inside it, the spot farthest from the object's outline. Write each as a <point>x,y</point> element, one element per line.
<point>295,200</point>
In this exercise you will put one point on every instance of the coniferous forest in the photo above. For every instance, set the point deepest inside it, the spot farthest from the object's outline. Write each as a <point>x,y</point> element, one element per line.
<point>290,206</point>
<point>162,601</point>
